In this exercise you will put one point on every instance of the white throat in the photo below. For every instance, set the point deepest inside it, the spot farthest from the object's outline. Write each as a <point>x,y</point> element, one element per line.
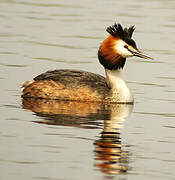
<point>120,90</point>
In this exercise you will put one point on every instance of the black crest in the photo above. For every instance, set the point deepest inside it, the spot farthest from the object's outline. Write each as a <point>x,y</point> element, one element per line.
<point>125,34</point>
<point>117,31</point>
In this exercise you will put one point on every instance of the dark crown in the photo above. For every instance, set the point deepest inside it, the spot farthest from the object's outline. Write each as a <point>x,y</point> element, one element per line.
<point>117,31</point>
<point>125,34</point>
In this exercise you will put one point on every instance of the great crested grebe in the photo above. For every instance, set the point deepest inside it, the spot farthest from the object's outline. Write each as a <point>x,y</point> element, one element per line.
<point>76,85</point>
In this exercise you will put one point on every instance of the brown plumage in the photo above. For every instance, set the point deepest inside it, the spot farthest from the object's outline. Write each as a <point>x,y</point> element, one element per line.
<point>67,85</point>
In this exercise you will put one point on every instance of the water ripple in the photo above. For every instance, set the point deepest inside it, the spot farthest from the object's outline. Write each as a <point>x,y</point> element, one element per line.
<point>8,52</point>
<point>55,45</point>
<point>157,114</point>
<point>165,77</point>
<point>11,106</point>
<point>20,162</point>
<point>61,60</point>
<point>82,37</point>
<point>47,4</point>
<point>169,127</point>
<point>149,84</point>
<point>13,65</point>
<point>37,18</point>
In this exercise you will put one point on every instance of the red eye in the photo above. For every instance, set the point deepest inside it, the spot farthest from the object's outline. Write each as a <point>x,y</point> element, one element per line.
<point>125,46</point>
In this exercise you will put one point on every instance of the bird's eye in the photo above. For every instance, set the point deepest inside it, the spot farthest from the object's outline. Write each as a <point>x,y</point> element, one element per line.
<point>125,46</point>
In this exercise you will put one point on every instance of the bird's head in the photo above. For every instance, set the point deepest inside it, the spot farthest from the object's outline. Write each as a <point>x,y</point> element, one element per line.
<point>118,46</point>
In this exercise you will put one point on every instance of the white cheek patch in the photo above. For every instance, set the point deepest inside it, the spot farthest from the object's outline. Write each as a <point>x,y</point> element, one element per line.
<point>122,50</point>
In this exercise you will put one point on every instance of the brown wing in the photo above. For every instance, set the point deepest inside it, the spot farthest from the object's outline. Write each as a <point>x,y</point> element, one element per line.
<point>67,84</point>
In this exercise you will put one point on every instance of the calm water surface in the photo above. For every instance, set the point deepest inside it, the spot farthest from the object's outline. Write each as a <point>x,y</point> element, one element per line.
<point>64,140</point>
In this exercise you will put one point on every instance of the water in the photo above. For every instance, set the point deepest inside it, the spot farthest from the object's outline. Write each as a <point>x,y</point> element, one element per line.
<point>47,140</point>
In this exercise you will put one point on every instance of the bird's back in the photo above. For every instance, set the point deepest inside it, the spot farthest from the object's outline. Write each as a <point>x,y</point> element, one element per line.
<point>67,85</point>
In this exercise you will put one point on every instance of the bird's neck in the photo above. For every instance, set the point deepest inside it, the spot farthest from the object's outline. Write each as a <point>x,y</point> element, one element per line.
<point>118,86</point>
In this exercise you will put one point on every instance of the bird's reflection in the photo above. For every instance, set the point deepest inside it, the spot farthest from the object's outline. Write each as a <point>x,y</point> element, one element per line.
<point>111,156</point>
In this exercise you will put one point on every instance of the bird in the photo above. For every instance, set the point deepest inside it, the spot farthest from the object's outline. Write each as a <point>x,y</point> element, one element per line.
<point>79,85</point>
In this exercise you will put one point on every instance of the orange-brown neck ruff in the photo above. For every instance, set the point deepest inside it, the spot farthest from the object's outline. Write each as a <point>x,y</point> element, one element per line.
<point>108,56</point>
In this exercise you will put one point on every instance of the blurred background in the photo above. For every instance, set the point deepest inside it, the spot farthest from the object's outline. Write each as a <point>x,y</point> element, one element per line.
<point>36,36</point>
